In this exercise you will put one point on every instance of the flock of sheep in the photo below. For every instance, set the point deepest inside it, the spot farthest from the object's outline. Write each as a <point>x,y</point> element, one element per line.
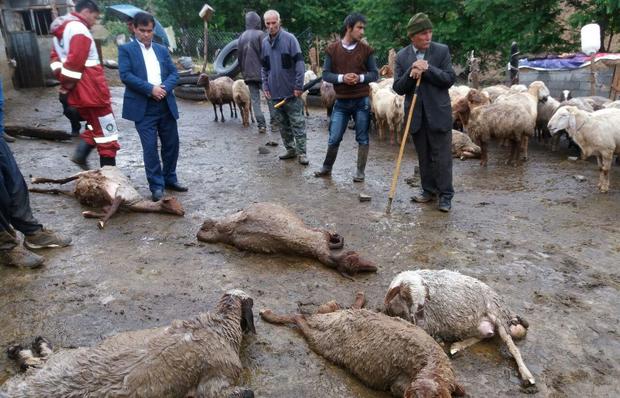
<point>393,349</point>
<point>396,348</point>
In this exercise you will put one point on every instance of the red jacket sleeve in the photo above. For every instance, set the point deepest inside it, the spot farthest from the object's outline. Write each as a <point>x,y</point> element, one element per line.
<point>72,68</point>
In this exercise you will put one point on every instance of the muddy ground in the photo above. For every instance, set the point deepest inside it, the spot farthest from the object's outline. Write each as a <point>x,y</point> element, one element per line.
<point>549,243</point>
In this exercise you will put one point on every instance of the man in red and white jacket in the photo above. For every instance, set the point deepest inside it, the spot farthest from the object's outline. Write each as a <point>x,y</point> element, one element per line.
<point>75,62</point>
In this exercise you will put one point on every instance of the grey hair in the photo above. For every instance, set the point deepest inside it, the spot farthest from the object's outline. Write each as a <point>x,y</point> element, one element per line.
<point>271,13</point>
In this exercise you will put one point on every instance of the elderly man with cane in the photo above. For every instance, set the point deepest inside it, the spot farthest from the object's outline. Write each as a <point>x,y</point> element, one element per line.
<point>432,114</point>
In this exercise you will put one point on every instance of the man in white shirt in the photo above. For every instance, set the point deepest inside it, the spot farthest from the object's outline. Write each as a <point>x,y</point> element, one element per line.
<point>149,75</point>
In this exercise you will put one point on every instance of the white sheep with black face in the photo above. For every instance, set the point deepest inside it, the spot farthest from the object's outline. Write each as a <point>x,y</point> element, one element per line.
<point>453,307</point>
<point>197,357</point>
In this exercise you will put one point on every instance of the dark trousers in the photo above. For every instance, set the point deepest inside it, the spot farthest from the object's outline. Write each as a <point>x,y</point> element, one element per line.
<point>15,209</point>
<point>434,150</point>
<point>159,122</point>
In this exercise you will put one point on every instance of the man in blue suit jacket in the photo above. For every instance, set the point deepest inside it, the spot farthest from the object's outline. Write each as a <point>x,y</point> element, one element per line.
<point>149,75</point>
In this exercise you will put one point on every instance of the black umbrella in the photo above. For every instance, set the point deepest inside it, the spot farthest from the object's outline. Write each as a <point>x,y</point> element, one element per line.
<point>124,12</point>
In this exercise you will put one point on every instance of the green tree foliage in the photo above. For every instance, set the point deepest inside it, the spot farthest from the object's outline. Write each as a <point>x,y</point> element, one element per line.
<point>604,12</point>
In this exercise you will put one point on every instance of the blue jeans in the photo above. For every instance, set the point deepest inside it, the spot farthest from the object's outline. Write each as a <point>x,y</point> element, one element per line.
<point>159,122</point>
<point>359,108</point>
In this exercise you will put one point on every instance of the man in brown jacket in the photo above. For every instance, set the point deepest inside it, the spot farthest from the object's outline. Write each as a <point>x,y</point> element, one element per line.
<point>349,65</point>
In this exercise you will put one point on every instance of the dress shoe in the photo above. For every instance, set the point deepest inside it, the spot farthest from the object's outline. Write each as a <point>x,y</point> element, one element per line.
<point>157,195</point>
<point>175,186</point>
<point>423,197</point>
<point>444,205</point>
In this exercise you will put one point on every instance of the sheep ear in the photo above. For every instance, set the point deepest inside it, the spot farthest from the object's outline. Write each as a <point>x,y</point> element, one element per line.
<point>247,316</point>
<point>572,123</point>
<point>393,292</point>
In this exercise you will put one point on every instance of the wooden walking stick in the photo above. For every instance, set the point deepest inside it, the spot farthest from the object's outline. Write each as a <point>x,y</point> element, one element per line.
<point>388,209</point>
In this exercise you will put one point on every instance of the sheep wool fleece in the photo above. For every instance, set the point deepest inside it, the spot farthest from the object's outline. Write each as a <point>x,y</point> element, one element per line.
<point>75,62</point>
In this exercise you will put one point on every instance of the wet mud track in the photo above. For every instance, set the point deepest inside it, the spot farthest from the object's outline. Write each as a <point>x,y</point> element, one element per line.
<point>548,242</point>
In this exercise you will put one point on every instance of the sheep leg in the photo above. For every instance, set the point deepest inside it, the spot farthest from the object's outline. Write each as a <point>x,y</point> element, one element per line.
<point>92,214</point>
<point>514,350</point>
<point>604,174</point>
<point>43,180</point>
<point>217,385</point>
<point>222,113</point>
<point>484,153</point>
<point>116,202</point>
<point>52,191</point>
<point>269,316</point>
<point>513,155</point>
<point>524,144</point>
<point>215,111</point>
<point>360,300</point>
<point>461,345</point>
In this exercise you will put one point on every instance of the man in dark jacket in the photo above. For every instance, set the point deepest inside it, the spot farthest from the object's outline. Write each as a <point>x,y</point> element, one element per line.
<point>249,50</point>
<point>431,127</point>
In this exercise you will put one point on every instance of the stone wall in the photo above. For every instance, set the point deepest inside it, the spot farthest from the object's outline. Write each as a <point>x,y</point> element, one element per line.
<point>576,80</point>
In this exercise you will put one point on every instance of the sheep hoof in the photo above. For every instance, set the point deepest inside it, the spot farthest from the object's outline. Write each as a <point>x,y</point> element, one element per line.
<point>13,351</point>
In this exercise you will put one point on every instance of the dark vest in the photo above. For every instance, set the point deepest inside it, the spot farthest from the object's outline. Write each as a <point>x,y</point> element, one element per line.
<point>354,61</point>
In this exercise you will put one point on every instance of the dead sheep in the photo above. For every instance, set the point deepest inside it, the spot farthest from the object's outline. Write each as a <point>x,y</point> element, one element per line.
<point>191,358</point>
<point>218,92</point>
<point>272,228</point>
<point>328,97</point>
<point>463,147</point>
<point>453,307</point>
<point>596,134</point>
<point>387,354</point>
<point>109,189</point>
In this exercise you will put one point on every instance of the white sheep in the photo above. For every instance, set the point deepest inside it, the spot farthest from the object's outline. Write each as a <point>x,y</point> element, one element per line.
<point>241,96</point>
<point>197,357</point>
<point>495,91</point>
<point>453,307</point>
<point>596,134</point>
<point>615,104</point>
<point>308,77</point>
<point>389,112</point>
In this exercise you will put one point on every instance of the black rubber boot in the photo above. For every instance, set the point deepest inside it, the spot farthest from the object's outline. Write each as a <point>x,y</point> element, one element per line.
<point>103,161</point>
<point>81,153</point>
<point>362,157</point>
<point>330,158</point>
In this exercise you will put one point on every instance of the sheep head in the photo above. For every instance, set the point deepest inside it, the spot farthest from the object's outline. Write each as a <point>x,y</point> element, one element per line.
<point>563,119</point>
<point>406,298</point>
<point>539,90</point>
<point>203,80</point>
<point>247,315</point>
<point>350,263</point>
<point>209,232</point>
<point>172,205</point>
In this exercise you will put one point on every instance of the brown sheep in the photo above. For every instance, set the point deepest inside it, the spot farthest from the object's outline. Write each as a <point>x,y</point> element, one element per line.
<point>271,228</point>
<point>109,189</point>
<point>218,91</point>
<point>198,357</point>
<point>387,354</point>
<point>328,97</point>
